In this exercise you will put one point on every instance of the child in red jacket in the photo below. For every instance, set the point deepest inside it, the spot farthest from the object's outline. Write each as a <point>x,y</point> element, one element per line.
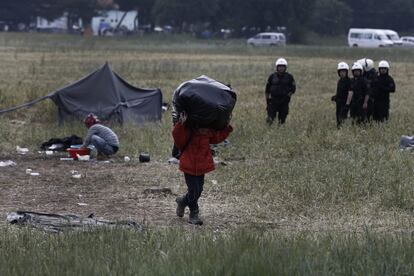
<point>195,161</point>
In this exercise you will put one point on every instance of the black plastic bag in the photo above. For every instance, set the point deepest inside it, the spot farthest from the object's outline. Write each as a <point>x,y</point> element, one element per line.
<point>207,102</point>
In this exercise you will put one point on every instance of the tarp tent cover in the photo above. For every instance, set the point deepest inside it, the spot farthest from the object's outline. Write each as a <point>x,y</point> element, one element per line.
<point>107,95</point>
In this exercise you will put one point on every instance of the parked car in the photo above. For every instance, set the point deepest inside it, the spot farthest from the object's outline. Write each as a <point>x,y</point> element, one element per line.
<point>407,41</point>
<point>267,39</point>
<point>368,38</point>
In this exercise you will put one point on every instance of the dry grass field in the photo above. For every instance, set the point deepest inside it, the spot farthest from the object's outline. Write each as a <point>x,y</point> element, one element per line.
<point>294,190</point>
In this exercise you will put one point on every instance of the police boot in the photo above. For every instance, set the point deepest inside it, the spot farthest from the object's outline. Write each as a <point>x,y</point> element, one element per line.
<point>269,121</point>
<point>194,218</point>
<point>180,206</point>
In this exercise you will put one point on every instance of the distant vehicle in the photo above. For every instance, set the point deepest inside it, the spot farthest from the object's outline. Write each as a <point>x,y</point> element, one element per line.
<point>267,39</point>
<point>115,22</point>
<point>56,25</point>
<point>4,27</point>
<point>393,36</point>
<point>368,38</point>
<point>62,24</point>
<point>407,41</point>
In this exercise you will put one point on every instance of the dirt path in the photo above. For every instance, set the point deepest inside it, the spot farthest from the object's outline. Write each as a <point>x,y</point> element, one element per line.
<point>117,191</point>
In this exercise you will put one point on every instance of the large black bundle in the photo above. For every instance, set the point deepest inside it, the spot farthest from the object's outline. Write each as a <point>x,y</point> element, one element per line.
<point>207,102</point>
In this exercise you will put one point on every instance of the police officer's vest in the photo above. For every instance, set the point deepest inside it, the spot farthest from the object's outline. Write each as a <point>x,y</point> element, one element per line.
<point>359,87</point>
<point>280,85</point>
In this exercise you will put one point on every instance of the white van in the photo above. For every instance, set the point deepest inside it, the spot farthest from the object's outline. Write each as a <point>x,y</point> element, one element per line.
<point>368,38</point>
<point>267,39</point>
<point>393,36</point>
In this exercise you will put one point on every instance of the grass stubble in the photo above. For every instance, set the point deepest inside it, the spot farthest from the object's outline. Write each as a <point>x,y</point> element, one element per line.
<point>317,200</point>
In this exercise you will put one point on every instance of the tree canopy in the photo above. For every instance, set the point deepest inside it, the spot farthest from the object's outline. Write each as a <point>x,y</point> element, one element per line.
<point>326,17</point>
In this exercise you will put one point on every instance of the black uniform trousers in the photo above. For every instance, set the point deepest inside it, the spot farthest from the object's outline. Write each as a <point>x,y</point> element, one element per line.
<point>278,106</point>
<point>381,110</point>
<point>370,109</point>
<point>357,112</point>
<point>341,116</point>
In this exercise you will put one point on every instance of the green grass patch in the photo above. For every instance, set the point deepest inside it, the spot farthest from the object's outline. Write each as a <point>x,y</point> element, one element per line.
<point>174,252</point>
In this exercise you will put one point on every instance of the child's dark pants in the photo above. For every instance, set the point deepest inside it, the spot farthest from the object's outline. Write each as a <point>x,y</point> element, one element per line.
<point>195,187</point>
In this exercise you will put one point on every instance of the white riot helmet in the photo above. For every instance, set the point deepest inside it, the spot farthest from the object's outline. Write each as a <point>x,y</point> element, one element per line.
<point>342,66</point>
<point>357,66</point>
<point>383,64</point>
<point>369,64</point>
<point>366,63</point>
<point>281,62</point>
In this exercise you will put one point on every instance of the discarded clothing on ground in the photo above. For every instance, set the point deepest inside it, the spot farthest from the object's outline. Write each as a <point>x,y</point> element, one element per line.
<point>65,222</point>
<point>407,142</point>
<point>61,144</point>
<point>7,163</point>
<point>207,102</point>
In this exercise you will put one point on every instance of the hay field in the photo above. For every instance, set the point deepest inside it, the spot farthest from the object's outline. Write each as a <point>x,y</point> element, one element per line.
<point>286,191</point>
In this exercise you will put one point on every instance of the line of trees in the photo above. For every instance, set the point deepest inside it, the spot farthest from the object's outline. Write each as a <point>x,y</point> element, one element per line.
<point>325,17</point>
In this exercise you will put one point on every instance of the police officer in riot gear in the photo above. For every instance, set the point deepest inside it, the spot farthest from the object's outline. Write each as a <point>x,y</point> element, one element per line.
<point>370,74</point>
<point>382,87</point>
<point>358,100</point>
<point>279,89</point>
<point>343,89</point>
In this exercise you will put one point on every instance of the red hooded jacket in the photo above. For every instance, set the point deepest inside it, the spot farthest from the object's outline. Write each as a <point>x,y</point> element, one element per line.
<point>196,158</point>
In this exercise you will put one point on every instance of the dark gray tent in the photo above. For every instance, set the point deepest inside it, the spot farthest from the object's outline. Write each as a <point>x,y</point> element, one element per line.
<point>107,95</point>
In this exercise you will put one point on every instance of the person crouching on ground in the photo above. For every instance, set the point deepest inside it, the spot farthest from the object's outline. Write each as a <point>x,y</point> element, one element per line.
<point>195,161</point>
<point>103,138</point>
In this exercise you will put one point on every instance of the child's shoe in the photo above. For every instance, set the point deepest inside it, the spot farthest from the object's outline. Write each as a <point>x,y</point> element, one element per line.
<point>194,218</point>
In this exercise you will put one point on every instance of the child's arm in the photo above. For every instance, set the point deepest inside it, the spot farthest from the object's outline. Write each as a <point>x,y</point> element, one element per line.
<point>218,136</point>
<point>181,135</point>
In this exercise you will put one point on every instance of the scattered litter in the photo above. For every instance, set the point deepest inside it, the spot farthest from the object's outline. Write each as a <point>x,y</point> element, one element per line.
<point>56,146</point>
<point>83,157</point>
<point>34,174</point>
<point>407,142</point>
<point>7,163</point>
<point>21,150</point>
<point>76,146</point>
<point>75,174</point>
<point>157,190</point>
<point>173,160</point>
<point>144,157</point>
<point>127,159</point>
<point>49,152</point>
<point>65,222</point>
<point>28,171</point>
<point>219,162</point>
<point>82,204</point>
<point>66,159</point>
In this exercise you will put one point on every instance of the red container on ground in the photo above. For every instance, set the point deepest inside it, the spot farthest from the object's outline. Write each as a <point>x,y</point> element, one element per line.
<point>80,151</point>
